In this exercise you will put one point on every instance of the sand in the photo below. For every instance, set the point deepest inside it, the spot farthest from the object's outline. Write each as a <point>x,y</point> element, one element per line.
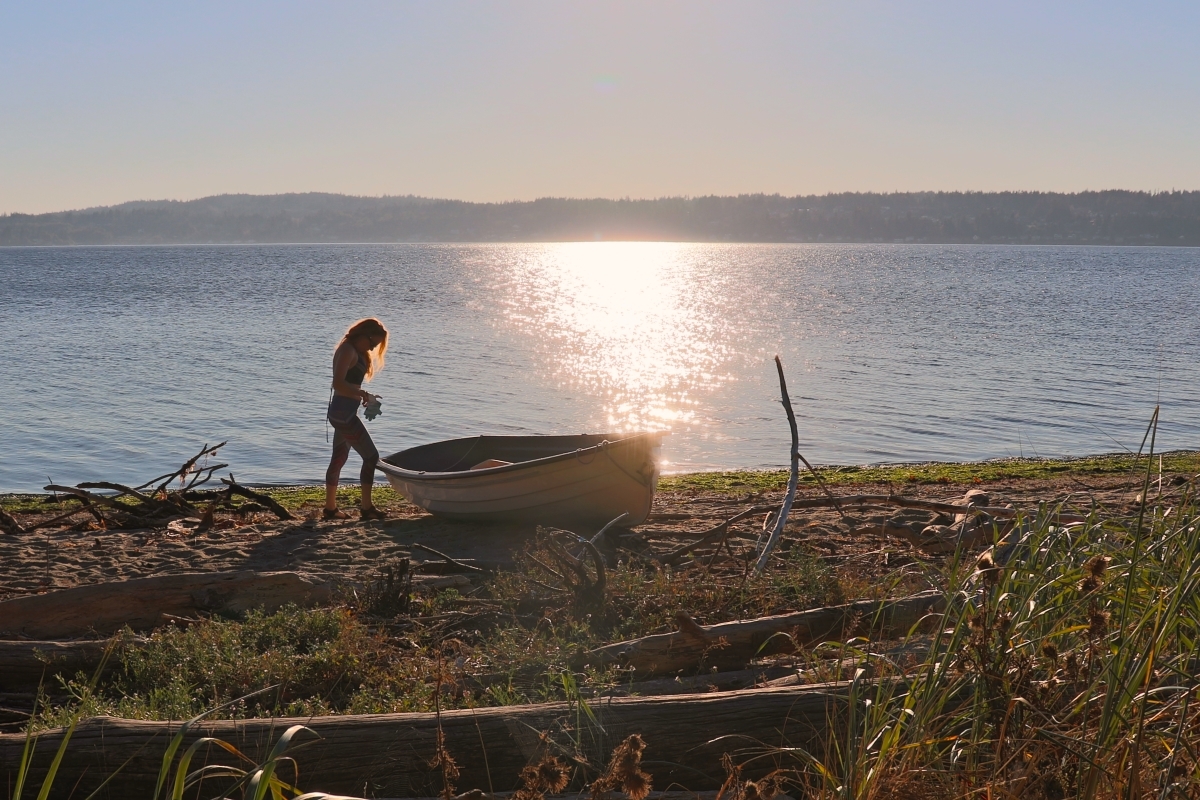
<point>44,560</point>
<point>39,561</point>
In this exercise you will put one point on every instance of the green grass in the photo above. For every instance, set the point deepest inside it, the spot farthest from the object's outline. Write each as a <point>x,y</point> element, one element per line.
<point>749,481</point>
<point>513,642</point>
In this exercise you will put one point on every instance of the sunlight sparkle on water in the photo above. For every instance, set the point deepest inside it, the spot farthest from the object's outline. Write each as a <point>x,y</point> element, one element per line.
<point>630,322</point>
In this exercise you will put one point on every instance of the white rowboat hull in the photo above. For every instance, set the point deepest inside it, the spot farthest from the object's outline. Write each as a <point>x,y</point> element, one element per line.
<point>581,482</point>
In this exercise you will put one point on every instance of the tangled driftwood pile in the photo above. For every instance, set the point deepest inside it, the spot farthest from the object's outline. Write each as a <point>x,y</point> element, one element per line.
<point>157,503</point>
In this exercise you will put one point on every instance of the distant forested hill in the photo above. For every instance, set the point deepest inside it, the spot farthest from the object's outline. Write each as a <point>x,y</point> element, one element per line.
<point>1109,217</point>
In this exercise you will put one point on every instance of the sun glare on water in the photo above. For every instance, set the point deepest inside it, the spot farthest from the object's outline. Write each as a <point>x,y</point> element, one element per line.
<point>632,323</point>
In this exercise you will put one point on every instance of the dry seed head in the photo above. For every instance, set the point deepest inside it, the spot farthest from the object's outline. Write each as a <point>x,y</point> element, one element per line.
<point>1050,651</point>
<point>1096,565</point>
<point>1097,622</point>
<point>767,788</point>
<point>624,771</point>
<point>553,774</point>
<point>548,775</point>
<point>1071,663</point>
<point>636,785</point>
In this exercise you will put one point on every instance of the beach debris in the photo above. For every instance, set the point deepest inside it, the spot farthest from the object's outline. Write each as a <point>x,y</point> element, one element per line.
<point>732,645</point>
<point>460,566</point>
<point>171,501</point>
<point>141,603</point>
<point>258,497</point>
<point>8,524</point>
<point>572,576</point>
<point>598,539</point>
<point>142,506</point>
<point>970,526</point>
<point>716,534</point>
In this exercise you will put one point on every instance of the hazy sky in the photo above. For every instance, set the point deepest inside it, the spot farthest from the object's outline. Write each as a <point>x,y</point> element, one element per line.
<point>106,102</point>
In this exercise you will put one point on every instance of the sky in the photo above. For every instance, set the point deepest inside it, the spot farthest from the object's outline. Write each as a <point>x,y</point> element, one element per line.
<point>102,103</point>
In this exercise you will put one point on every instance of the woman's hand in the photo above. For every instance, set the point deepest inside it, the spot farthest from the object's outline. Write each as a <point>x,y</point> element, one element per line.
<point>366,397</point>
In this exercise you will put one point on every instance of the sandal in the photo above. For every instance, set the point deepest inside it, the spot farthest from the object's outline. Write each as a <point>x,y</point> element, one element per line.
<point>333,513</point>
<point>371,513</point>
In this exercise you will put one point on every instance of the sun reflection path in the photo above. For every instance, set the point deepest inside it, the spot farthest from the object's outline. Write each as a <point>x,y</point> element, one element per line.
<point>636,324</point>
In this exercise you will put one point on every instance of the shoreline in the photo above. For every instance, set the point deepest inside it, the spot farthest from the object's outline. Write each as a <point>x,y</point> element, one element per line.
<point>902,472</point>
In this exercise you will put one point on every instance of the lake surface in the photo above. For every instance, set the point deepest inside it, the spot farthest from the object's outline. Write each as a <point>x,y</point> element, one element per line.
<point>119,363</point>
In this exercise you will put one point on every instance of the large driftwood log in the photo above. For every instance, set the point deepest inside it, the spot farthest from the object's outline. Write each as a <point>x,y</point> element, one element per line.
<point>730,645</point>
<point>27,664</point>
<point>388,755</point>
<point>141,603</point>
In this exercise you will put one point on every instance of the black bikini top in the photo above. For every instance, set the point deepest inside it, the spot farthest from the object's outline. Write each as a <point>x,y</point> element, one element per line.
<point>355,374</point>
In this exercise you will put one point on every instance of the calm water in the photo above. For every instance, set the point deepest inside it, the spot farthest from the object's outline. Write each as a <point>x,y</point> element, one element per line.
<point>118,363</point>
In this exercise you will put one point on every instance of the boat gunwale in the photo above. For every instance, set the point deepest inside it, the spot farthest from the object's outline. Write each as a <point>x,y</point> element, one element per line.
<point>391,469</point>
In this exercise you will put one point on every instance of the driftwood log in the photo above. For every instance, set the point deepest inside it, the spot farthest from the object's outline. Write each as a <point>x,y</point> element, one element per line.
<point>27,664</point>
<point>388,755</point>
<point>141,603</point>
<point>730,645</point>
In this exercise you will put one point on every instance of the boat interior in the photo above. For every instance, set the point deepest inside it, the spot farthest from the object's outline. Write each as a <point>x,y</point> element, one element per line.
<point>483,452</point>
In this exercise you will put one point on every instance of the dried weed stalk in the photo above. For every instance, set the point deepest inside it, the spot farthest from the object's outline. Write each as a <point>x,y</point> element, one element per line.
<point>736,787</point>
<point>441,756</point>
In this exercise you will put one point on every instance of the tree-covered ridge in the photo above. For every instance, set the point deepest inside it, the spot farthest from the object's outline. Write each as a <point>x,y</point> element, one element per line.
<point>1107,217</point>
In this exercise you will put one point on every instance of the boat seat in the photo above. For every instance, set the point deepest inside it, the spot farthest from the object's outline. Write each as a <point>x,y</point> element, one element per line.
<point>491,462</point>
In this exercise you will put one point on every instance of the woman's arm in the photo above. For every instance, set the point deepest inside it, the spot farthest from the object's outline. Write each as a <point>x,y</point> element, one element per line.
<point>345,358</point>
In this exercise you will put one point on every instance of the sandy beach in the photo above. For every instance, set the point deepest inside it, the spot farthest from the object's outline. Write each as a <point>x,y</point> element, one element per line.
<point>43,560</point>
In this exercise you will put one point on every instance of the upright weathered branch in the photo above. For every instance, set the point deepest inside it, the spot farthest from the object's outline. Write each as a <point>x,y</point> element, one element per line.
<point>793,476</point>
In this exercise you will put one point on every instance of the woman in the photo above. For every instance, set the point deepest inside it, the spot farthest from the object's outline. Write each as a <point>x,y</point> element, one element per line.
<point>359,355</point>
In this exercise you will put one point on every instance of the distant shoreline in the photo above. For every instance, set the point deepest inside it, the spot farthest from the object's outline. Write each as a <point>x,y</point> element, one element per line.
<point>1106,218</point>
<point>1100,246</point>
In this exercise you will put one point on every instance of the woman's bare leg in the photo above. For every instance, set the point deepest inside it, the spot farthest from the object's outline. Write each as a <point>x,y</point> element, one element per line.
<point>341,451</point>
<point>370,457</point>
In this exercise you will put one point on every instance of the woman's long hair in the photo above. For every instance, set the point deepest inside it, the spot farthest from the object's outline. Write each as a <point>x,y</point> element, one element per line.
<point>368,327</point>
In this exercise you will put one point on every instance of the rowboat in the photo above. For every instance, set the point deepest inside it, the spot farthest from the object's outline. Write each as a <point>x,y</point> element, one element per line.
<point>578,482</point>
